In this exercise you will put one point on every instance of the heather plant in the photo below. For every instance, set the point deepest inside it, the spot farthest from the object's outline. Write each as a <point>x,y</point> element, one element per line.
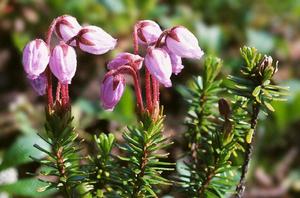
<point>221,121</point>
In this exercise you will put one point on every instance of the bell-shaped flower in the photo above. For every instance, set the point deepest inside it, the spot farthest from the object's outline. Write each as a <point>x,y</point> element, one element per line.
<point>183,43</point>
<point>175,61</point>
<point>112,89</point>
<point>125,58</point>
<point>39,84</point>
<point>35,58</point>
<point>94,40</point>
<point>66,28</point>
<point>63,63</point>
<point>158,62</point>
<point>148,32</point>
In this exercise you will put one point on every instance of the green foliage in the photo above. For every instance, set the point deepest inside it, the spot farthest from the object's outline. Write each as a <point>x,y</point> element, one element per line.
<point>26,187</point>
<point>144,165</point>
<point>215,135</point>
<point>210,139</point>
<point>255,82</point>
<point>63,161</point>
<point>20,151</point>
<point>103,178</point>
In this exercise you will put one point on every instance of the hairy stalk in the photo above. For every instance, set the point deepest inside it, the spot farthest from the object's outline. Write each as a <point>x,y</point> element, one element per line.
<point>248,153</point>
<point>148,90</point>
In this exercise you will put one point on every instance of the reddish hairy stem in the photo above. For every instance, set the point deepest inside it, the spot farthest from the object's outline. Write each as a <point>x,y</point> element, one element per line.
<point>57,98</point>
<point>155,87</point>
<point>129,70</point>
<point>49,89</point>
<point>148,90</point>
<point>135,40</point>
<point>164,33</point>
<point>48,72</point>
<point>65,95</point>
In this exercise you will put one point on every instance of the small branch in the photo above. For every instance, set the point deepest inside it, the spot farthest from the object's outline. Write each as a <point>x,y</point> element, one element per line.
<point>143,164</point>
<point>249,148</point>
<point>62,171</point>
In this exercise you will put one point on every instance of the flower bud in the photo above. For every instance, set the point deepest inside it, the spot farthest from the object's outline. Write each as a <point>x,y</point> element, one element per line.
<point>112,89</point>
<point>175,61</point>
<point>39,84</point>
<point>94,40</point>
<point>148,32</point>
<point>183,43</point>
<point>66,28</point>
<point>63,63</point>
<point>35,58</point>
<point>129,59</point>
<point>158,62</point>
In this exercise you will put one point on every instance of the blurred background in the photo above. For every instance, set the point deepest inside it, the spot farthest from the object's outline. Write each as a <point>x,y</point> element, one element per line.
<point>222,27</point>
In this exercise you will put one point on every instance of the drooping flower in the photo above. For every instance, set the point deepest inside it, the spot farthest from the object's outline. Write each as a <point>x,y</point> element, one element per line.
<point>35,58</point>
<point>183,43</point>
<point>148,32</point>
<point>126,59</point>
<point>158,62</point>
<point>94,40</point>
<point>63,63</point>
<point>66,28</point>
<point>112,89</point>
<point>175,61</point>
<point>39,84</point>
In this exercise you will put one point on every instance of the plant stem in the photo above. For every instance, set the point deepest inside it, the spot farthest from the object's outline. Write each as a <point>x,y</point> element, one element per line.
<point>62,171</point>
<point>249,149</point>
<point>135,40</point>
<point>143,164</point>
<point>48,72</point>
<point>148,90</point>
<point>49,89</point>
<point>131,71</point>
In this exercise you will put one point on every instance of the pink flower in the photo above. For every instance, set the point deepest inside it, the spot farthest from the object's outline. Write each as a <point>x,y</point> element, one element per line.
<point>183,43</point>
<point>158,63</point>
<point>175,61</point>
<point>66,28</point>
<point>94,40</point>
<point>148,32</point>
<point>39,84</point>
<point>129,59</point>
<point>63,63</point>
<point>35,58</point>
<point>112,89</point>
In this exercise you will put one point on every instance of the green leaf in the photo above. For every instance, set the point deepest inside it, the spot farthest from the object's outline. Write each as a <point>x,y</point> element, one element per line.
<point>26,187</point>
<point>256,91</point>
<point>21,149</point>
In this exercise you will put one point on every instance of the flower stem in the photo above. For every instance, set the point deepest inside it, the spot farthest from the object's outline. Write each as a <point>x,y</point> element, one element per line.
<point>58,89</point>
<point>48,72</point>
<point>148,90</point>
<point>135,40</point>
<point>131,71</point>
<point>49,89</point>
<point>249,149</point>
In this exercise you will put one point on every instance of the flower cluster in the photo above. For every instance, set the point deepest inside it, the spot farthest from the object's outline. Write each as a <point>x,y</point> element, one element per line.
<point>164,53</point>
<point>61,59</point>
